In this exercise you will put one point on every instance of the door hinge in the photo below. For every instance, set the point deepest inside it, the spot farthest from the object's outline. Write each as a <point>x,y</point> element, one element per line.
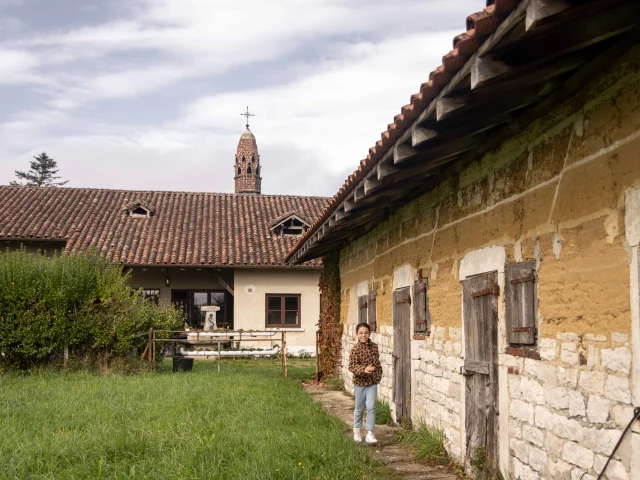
<point>494,290</point>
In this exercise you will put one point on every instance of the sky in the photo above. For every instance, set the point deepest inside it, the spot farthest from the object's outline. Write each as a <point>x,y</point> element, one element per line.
<point>148,94</point>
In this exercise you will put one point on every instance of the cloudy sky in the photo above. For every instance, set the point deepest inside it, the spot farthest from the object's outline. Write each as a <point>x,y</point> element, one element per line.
<point>147,94</point>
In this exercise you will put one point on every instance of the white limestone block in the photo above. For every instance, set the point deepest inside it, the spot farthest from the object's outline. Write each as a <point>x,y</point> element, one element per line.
<point>533,435</point>
<point>619,337</point>
<point>568,337</point>
<point>519,449</point>
<point>515,429</point>
<point>567,377</point>
<point>553,445</point>
<point>557,397</point>
<point>592,382</point>
<point>569,354</point>
<point>595,337</point>
<point>548,348</point>
<point>616,359</point>
<point>560,470</point>
<point>576,404</point>
<point>543,418</point>
<point>577,455</point>
<point>622,414</point>
<point>602,440</point>
<point>617,388</point>
<point>532,390</point>
<point>615,469</point>
<point>567,428</point>
<point>547,374</point>
<point>598,409</point>
<point>538,459</point>
<point>522,411</point>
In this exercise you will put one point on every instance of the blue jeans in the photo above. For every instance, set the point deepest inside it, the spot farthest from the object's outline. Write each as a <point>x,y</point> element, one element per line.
<point>365,396</point>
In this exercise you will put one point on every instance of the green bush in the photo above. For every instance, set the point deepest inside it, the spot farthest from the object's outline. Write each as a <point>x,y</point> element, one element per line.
<point>427,444</point>
<point>81,301</point>
<point>383,413</point>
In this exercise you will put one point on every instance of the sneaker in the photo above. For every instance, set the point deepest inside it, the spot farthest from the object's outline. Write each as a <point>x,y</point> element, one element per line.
<point>357,436</point>
<point>370,438</point>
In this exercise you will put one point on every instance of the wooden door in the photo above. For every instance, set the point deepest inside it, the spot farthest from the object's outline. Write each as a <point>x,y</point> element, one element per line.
<point>402,353</point>
<point>480,297</point>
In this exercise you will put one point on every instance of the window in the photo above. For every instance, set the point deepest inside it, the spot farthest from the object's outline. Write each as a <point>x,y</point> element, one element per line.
<point>421,314</point>
<point>239,171</point>
<point>253,158</point>
<point>362,309</point>
<point>283,310</point>
<point>244,159</point>
<point>520,299</point>
<point>371,307</point>
<point>257,170</point>
<point>152,294</point>
<point>249,170</point>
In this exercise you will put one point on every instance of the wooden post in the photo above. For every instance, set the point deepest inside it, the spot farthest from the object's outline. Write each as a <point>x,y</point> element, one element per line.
<point>284,353</point>
<point>153,345</point>
<point>317,355</point>
<point>218,355</point>
<point>66,353</point>
<point>148,349</point>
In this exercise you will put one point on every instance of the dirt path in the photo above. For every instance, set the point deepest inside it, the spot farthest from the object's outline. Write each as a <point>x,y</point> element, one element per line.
<point>387,451</point>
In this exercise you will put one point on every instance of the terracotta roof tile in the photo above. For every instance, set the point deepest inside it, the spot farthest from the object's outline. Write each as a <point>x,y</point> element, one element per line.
<point>480,26</point>
<point>185,229</point>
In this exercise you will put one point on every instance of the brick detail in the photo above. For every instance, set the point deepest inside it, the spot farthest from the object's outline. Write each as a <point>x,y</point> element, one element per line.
<point>523,352</point>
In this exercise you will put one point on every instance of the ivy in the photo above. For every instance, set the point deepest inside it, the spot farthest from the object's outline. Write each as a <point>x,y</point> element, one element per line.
<point>330,342</point>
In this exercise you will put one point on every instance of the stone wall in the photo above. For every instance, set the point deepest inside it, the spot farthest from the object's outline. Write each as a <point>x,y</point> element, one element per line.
<point>554,194</point>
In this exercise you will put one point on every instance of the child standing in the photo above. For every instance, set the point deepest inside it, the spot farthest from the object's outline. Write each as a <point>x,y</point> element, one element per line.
<point>364,363</point>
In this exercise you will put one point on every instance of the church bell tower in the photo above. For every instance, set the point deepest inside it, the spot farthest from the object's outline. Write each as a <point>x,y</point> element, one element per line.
<point>247,166</point>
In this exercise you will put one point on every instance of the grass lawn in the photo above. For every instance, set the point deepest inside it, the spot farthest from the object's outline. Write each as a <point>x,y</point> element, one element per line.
<point>244,422</point>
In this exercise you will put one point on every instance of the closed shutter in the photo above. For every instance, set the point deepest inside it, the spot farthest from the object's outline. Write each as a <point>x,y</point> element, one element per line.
<point>371,308</point>
<point>362,309</point>
<point>421,315</point>
<point>520,298</point>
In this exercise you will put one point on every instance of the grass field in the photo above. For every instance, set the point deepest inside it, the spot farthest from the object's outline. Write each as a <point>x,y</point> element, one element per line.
<point>244,422</point>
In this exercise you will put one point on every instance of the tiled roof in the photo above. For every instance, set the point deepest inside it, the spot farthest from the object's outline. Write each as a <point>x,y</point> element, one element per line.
<point>480,26</point>
<point>207,229</point>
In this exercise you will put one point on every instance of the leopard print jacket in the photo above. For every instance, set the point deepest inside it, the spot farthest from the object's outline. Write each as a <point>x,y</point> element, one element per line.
<point>362,355</point>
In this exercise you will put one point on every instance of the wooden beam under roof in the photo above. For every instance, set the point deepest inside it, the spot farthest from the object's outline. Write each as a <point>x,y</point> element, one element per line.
<point>539,10</point>
<point>385,169</point>
<point>474,107</point>
<point>420,135</point>
<point>401,152</point>
<point>491,75</point>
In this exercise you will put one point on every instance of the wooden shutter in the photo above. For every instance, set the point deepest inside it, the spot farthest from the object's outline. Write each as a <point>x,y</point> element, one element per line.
<point>421,315</point>
<point>371,310</point>
<point>362,309</point>
<point>520,298</point>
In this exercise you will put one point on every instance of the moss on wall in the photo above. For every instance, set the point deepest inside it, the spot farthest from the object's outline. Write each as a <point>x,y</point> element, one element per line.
<point>554,193</point>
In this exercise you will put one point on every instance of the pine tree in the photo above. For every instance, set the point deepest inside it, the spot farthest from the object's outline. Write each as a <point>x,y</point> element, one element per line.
<point>42,174</point>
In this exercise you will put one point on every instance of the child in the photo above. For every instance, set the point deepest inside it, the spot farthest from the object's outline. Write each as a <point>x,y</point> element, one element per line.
<point>364,363</point>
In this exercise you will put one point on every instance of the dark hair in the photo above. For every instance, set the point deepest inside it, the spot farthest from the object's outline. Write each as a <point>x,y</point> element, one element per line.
<point>366,325</point>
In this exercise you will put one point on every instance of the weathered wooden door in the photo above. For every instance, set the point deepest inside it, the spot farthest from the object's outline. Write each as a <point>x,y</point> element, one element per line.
<point>480,298</point>
<point>402,353</point>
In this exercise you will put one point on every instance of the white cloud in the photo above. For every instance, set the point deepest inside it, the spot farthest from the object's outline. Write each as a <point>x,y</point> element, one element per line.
<point>350,65</point>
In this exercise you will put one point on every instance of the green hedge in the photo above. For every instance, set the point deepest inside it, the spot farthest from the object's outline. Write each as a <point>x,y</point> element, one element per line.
<point>80,300</point>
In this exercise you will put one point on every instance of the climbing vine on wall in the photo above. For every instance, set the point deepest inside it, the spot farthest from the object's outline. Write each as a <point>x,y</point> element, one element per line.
<point>330,341</point>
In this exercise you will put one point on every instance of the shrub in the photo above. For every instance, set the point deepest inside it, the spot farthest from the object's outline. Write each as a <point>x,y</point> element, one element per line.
<point>427,444</point>
<point>79,301</point>
<point>383,413</point>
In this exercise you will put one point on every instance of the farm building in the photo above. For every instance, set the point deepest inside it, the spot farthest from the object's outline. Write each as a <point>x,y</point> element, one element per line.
<point>491,238</point>
<point>191,249</point>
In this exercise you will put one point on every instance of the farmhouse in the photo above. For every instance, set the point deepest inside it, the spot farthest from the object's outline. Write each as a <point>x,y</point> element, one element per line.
<point>191,249</point>
<point>491,240</point>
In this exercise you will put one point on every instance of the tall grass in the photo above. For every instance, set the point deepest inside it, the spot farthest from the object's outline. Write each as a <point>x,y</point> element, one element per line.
<point>244,422</point>
<point>427,444</point>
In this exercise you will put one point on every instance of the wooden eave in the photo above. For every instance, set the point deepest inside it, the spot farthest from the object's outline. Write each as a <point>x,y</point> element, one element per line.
<point>542,53</point>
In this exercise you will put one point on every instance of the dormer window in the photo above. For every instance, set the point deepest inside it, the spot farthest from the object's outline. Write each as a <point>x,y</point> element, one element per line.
<point>139,209</point>
<point>289,225</point>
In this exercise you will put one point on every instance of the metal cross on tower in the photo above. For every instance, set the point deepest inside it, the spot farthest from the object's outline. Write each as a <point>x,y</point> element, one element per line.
<point>247,115</point>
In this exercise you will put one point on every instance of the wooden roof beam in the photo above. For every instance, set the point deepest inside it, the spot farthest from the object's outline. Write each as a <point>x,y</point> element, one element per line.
<point>402,152</point>
<point>492,75</point>
<point>349,204</point>
<point>420,135</point>
<point>385,170</point>
<point>539,10</point>
<point>475,107</point>
<point>371,183</point>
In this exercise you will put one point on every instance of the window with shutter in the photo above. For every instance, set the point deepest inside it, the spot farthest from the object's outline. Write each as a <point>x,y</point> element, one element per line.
<point>520,299</point>
<point>362,309</point>
<point>421,316</point>
<point>371,307</point>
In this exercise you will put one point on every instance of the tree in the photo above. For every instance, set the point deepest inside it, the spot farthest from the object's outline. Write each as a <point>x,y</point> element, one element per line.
<point>42,174</point>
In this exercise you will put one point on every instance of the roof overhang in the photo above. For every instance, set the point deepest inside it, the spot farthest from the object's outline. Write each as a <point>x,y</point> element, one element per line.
<point>542,53</point>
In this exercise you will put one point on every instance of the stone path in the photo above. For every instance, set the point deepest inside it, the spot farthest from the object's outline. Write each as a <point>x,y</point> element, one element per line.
<point>387,451</point>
